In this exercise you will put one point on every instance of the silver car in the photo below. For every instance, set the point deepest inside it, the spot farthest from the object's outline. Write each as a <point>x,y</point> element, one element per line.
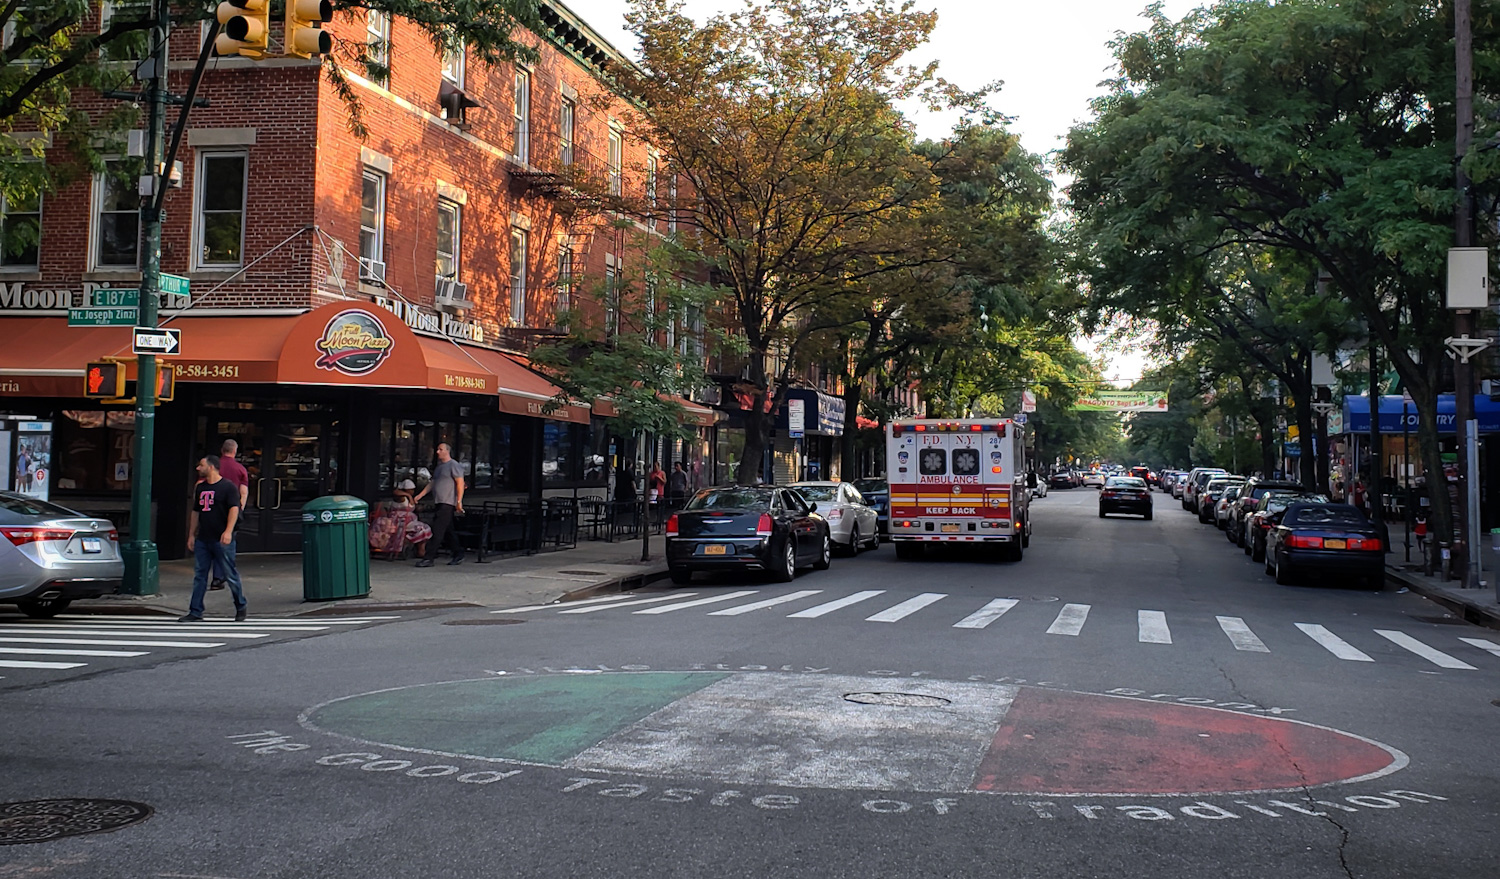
<point>50,555</point>
<point>852,523</point>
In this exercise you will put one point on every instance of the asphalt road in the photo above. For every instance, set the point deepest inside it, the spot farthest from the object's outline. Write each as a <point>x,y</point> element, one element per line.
<point>1134,698</point>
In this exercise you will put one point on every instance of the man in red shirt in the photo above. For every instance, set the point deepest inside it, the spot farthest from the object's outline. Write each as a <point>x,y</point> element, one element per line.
<point>239,477</point>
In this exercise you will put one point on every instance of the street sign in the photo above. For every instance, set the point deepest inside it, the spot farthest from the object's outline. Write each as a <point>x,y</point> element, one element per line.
<point>796,418</point>
<point>172,285</point>
<point>101,317</point>
<point>1019,418</point>
<point>152,340</point>
<point>110,298</point>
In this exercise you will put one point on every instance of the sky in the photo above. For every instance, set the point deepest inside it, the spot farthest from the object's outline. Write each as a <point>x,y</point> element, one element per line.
<point>1051,56</point>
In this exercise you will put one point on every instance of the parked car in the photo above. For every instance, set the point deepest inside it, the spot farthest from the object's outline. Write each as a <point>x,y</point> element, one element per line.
<point>1328,538</point>
<point>1196,479</point>
<point>1040,489</point>
<point>52,556</point>
<point>877,493</point>
<point>1250,494</point>
<point>1226,500</point>
<point>853,523</point>
<point>747,528</point>
<point>1060,479</point>
<point>1267,515</point>
<point>1179,485</point>
<point>1209,496</point>
<point>1125,494</point>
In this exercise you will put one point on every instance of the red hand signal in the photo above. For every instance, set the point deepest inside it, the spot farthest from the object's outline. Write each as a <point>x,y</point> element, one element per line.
<point>96,380</point>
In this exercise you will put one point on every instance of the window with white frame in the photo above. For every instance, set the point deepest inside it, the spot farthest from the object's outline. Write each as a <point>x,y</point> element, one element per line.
<point>566,118</point>
<point>564,278</point>
<point>132,46</point>
<point>449,238</point>
<point>521,114</point>
<point>611,294</point>
<point>651,181</point>
<point>219,223</point>
<point>517,276</point>
<point>117,218</point>
<point>672,203</point>
<point>378,46</point>
<point>616,157</point>
<point>453,62</point>
<point>20,231</point>
<point>372,226</point>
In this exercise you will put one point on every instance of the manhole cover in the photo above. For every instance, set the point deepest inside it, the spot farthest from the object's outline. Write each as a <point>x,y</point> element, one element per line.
<point>584,573</point>
<point>44,820</point>
<point>897,700</point>
<point>483,622</point>
<point>1444,620</point>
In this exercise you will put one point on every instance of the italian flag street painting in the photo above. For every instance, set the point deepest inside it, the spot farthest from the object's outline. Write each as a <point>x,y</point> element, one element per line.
<point>856,733</point>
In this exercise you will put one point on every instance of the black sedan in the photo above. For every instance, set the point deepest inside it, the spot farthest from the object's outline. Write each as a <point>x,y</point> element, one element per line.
<point>1060,479</point>
<point>1327,538</point>
<point>1267,515</point>
<point>1125,494</point>
<point>747,528</point>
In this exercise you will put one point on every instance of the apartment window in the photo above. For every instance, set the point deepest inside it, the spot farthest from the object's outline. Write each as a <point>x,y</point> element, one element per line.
<point>518,276</point>
<point>372,221</point>
<point>616,151</point>
<point>20,232</point>
<point>651,180</point>
<point>378,46</point>
<point>130,47</point>
<point>453,63</point>
<point>672,204</point>
<point>220,198</point>
<point>521,129</point>
<point>611,295</point>
<point>117,218</point>
<point>449,238</point>
<point>564,278</point>
<point>565,120</point>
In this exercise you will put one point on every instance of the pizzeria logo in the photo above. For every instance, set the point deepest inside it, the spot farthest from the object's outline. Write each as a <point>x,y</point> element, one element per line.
<point>354,343</point>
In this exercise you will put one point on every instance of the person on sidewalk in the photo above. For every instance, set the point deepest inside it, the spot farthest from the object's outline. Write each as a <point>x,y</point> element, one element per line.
<point>677,486</point>
<point>447,488</point>
<point>216,508</point>
<point>235,472</point>
<point>656,482</point>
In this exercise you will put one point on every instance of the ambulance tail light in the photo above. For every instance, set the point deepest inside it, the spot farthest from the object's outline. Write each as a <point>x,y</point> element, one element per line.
<point>765,526</point>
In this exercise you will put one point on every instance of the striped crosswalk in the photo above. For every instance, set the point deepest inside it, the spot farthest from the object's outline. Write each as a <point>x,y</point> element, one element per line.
<point>78,640</point>
<point>1071,620</point>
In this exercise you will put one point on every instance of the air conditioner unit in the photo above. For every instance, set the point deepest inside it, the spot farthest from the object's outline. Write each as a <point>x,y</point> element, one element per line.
<point>372,270</point>
<point>451,295</point>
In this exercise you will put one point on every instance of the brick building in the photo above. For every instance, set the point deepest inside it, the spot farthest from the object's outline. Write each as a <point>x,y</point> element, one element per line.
<point>448,238</point>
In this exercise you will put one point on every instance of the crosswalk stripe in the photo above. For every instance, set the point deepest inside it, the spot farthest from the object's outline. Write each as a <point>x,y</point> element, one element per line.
<point>1482,644</point>
<point>111,633</point>
<point>712,599</point>
<point>99,642</point>
<point>1241,636</point>
<point>1069,620</point>
<point>202,626</point>
<point>987,614</point>
<point>1431,654</point>
<point>23,663</point>
<point>761,605</point>
<point>1151,626</point>
<point>1333,643</point>
<point>906,608</point>
<point>128,620</point>
<point>42,651</point>
<point>828,607</point>
<point>530,607</point>
<point>655,600</point>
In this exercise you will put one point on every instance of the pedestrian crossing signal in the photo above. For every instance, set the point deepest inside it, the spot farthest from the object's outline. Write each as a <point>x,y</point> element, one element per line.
<point>166,382</point>
<point>104,380</point>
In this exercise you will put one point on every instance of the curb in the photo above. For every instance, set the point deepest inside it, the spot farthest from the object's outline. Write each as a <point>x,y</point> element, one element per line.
<point>617,584</point>
<point>1469,611</point>
<point>344,606</point>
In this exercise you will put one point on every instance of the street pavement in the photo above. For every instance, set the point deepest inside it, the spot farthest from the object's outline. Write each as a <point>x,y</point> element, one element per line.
<point>1132,698</point>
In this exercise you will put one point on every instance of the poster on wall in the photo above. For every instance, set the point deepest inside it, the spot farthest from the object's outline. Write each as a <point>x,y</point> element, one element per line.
<point>31,465</point>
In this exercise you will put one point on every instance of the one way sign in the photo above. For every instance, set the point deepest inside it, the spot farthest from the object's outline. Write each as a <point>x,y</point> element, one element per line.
<point>154,340</point>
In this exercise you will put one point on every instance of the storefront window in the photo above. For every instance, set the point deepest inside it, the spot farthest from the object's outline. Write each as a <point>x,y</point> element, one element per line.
<point>465,451</point>
<point>595,466</point>
<point>502,463</point>
<point>387,436</point>
<point>484,474</point>
<point>557,452</point>
<point>731,449</point>
<point>93,451</point>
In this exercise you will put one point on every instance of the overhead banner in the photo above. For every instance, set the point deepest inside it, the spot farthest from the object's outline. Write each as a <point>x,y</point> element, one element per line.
<point>1122,401</point>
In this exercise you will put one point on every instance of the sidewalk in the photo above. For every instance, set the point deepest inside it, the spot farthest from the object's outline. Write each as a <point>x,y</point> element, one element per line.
<point>273,583</point>
<point>1477,606</point>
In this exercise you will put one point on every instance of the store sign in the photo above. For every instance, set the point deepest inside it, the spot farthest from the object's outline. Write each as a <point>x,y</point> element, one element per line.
<point>16,297</point>
<point>796,418</point>
<point>354,342</point>
<point>434,323</point>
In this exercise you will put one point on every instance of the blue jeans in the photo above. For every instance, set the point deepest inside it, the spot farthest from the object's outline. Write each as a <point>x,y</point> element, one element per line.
<point>210,555</point>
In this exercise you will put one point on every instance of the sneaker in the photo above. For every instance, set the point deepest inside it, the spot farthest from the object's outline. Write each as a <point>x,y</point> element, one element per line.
<point>425,563</point>
<point>216,585</point>
<point>239,615</point>
<point>190,618</point>
<point>456,560</point>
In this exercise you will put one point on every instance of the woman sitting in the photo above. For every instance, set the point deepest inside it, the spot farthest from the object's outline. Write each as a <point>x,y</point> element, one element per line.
<point>396,525</point>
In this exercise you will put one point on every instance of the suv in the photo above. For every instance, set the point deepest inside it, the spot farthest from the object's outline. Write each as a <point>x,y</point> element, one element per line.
<point>1196,479</point>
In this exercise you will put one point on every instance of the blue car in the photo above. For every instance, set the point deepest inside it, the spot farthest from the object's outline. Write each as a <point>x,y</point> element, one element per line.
<point>878,495</point>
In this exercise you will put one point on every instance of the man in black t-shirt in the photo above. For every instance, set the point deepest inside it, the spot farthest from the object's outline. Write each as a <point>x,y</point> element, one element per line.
<point>216,507</point>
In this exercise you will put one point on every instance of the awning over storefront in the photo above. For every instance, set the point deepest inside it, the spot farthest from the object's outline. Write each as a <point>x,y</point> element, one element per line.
<point>344,343</point>
<point>823,413</point>
<point>692,413</point>
<point>1357,414</point>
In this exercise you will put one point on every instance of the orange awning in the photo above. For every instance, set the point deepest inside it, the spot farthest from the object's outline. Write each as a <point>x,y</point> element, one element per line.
<point>692,413</point>
<point>523,392</point>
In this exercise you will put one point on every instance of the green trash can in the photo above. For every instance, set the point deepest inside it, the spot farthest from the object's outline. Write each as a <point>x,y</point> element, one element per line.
<point>335,548</point>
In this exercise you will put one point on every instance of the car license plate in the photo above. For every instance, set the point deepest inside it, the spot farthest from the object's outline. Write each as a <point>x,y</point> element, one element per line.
<point>716,549</point>
<point>1333,543</point>
<point>950,529</point>
<point>93,544</point>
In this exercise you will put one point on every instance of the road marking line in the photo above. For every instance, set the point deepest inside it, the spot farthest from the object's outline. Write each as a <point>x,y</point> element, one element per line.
<point>21,663</point>
<point>656,600</point>
<point>1333,643</point>
<point>712,599</point>
<point>531,607</point>
<point>1482,644</point>
<point>987,614</point>
<point>42,651</point>
<point>1069,620</point>
<point>1151,626</point>
<point>128,620</point>
<point>906,608</point>
<point>1431,654</point>
<point>837,604</point>
<point>761,605</point>
<point>174,625</point>
<point>1241,636</point>
<point>112,632</point>
<point>102,643</point>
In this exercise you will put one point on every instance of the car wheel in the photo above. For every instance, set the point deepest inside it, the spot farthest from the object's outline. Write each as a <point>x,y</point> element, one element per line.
<point>1148,515</point>
<point>826,557</point>
<point>1268,563</point>
<point>856,543</point>
<point>875,538</point>
<point>787,571</point>
<point>1026,533</point>
<point>45,608</point>
<point>1284,573</point>
<point>1101,512</point>
<point>681,576</point>
<point>1017,551</point>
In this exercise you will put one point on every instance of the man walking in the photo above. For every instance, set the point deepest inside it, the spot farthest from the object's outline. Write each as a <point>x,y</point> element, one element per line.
<point>238,476</point>
<point>447,487</point>
<point>216,508</point>
<point>677,486</point>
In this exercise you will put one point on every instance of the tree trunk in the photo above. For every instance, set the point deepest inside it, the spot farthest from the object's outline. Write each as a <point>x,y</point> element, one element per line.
<point>1306,465</point>
<point>757,439</point>
<point>854,393</point>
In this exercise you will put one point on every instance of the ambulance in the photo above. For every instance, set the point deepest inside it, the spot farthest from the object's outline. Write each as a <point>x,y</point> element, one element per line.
<point>957,481</point>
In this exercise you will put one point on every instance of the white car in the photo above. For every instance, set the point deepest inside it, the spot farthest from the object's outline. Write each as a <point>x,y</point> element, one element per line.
<point>853,524</point>
<point>1093,477</point>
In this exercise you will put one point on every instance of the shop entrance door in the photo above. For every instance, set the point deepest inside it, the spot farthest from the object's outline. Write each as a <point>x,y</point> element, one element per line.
<point>288,456</point>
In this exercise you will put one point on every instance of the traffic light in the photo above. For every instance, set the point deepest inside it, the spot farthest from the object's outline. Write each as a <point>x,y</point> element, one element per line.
<point>304,34</point>
<point>166,382</point>
<point>246,28</point>
<point>104,380</point>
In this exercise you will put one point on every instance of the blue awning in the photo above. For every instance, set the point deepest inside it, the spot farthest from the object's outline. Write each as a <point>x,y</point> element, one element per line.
<point>1357,414</point>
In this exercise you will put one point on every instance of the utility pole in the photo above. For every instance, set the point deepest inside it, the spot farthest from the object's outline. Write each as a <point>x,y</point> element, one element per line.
<point>1463,321</point>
